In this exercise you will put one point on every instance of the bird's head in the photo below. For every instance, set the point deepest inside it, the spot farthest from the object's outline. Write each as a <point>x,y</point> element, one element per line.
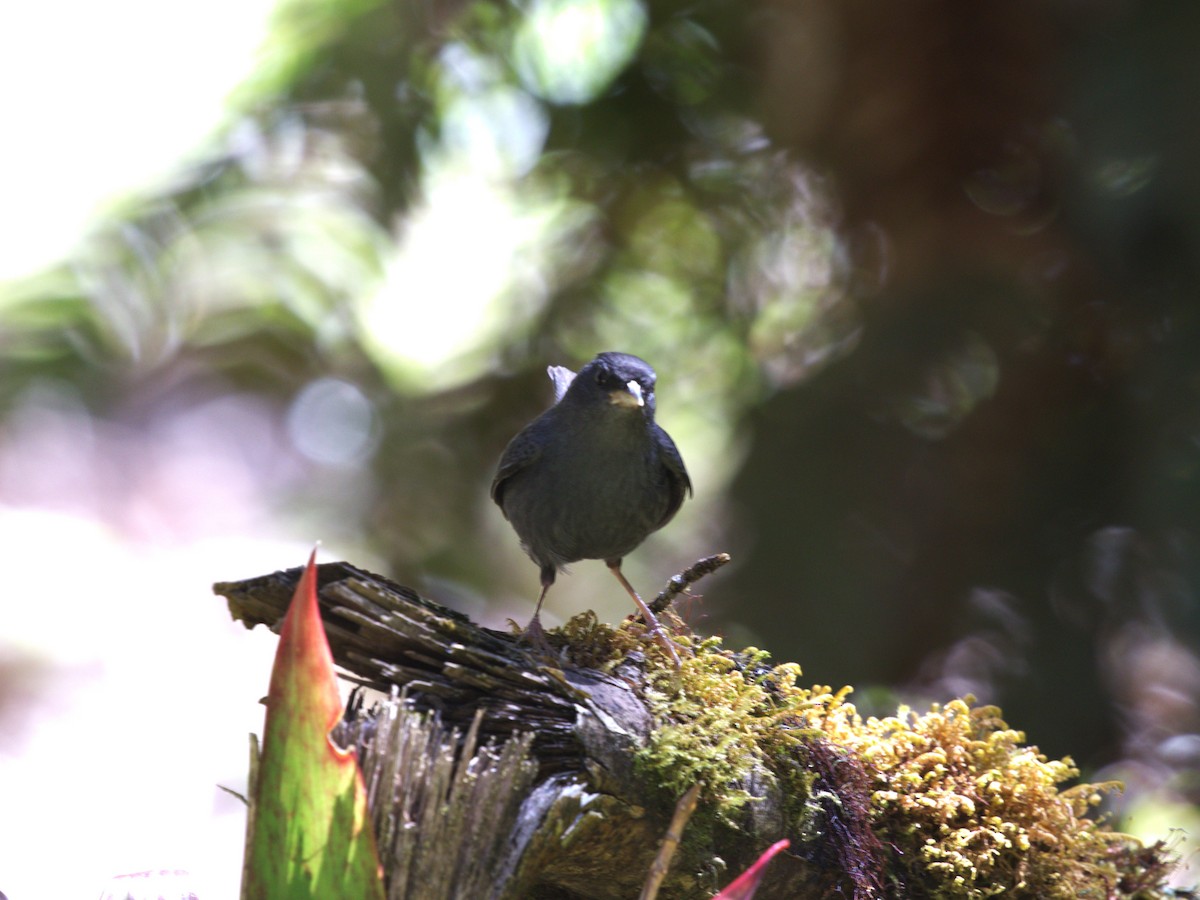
<point>611,380</point>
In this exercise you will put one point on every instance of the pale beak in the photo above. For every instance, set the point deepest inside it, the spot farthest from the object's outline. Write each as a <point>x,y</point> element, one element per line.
<point>631,396</point>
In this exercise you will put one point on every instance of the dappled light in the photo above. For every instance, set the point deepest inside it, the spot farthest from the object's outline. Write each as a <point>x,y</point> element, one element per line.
<point>570,51</point>
<point>332,422</point>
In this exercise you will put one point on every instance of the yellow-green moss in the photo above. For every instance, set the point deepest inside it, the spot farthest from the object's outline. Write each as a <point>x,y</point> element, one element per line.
<point>596,645</point>
<point>709,729</point>
<point>959,806</point>
<point>975,813</point>
<point>721,717</point>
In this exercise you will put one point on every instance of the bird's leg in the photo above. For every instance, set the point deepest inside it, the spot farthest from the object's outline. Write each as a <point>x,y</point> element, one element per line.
<point>661,636</point>
<point>534,634</point>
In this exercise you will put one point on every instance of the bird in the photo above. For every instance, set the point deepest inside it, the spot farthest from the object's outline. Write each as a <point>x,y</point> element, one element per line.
<point>592,476</point>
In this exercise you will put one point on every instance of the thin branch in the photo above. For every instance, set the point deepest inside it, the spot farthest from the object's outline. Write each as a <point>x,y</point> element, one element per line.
<point>685,579</point>
<point>662,862</point>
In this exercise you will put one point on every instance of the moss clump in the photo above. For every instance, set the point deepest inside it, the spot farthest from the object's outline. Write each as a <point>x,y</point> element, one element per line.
<point>595,645</point>
<point>722,718</point>
<point>709,729</point>
<point>950,804</point>
<point>973,812</point>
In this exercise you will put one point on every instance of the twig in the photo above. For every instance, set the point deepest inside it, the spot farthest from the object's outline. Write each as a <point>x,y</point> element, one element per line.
<point>662,862</point>
<point>685,579</point>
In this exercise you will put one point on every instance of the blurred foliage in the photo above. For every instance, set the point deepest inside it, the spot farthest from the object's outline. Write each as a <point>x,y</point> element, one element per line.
<point>920,284</point>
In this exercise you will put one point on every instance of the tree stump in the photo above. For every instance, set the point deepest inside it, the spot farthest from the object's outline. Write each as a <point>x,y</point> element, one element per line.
<point>560,810</point>
<point>494,773</point>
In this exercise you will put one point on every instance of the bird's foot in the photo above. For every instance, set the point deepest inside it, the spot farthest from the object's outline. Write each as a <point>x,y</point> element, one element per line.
<point>660,635</point>
<point>534,637</point>
<point>664,640</point>
<point>654,627</point>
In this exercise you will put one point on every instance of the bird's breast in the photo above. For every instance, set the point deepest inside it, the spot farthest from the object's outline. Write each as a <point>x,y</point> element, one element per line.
<point>591,497</point>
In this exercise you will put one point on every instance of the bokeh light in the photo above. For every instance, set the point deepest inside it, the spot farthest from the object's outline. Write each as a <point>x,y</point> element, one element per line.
<point>570,51</point>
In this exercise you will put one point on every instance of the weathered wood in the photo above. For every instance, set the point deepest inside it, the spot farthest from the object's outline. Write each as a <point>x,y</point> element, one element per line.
<point>567,814</point>
<point>443,807</point>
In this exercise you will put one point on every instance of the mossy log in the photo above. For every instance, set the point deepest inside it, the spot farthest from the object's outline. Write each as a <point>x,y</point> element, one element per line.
<point>496,773</point>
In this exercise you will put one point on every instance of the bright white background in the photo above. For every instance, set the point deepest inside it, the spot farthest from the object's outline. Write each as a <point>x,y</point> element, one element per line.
<point>128,693</point>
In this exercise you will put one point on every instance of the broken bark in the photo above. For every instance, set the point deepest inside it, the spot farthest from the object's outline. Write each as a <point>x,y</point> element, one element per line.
<point>511,777</point>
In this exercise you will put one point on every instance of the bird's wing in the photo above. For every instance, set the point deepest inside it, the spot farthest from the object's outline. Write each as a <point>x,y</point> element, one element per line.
<point>677,476</point>
<point>520,452</point>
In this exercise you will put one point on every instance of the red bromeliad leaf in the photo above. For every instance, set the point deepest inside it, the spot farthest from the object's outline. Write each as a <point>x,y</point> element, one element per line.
<point>744,886</point>
<point>309,835</point>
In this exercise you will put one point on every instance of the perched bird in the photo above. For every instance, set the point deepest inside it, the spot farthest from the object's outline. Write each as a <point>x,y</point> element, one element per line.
<point>593,475</point>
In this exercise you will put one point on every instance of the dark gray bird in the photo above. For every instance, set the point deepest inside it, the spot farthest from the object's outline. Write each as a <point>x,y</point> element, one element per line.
<point>593,475</point>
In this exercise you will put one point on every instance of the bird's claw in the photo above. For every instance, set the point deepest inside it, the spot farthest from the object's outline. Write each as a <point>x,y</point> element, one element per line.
<point>534,637</point>
<point>664,641</point>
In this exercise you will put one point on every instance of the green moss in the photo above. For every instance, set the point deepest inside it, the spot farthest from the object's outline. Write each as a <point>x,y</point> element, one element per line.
<point>974,812</point>
<point>948,804</point>
<point>595,645</point>
<point>724,716</point>
<point>709,729</point>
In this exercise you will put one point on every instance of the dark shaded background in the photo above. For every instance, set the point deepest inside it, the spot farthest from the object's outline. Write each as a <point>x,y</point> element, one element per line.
<point>919,279</point>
